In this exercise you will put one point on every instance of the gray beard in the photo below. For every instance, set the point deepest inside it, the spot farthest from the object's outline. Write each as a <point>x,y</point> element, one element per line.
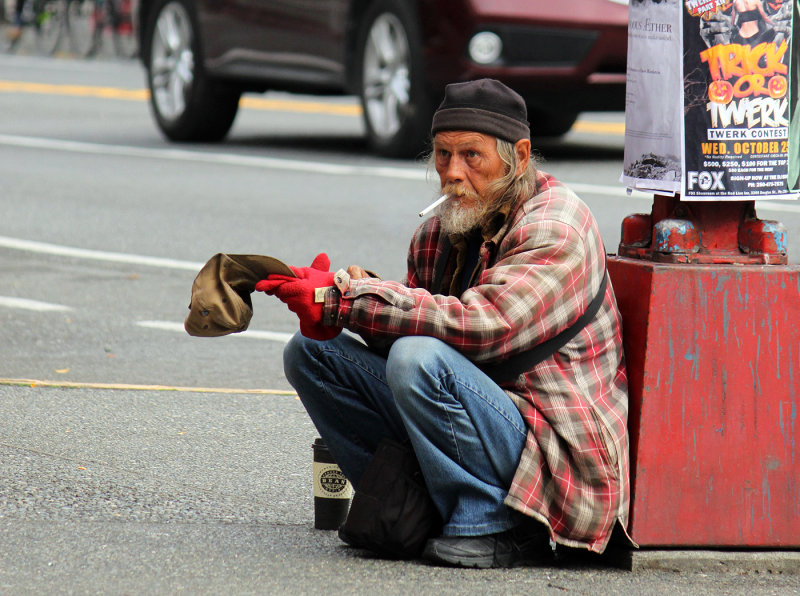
<point>456,219</point>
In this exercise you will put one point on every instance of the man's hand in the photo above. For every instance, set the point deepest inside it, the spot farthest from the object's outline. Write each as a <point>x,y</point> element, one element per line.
<point>301,295</point>
<point>356,272</point>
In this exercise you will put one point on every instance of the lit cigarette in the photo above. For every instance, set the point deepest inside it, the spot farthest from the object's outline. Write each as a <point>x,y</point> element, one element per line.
<point>433,205</point>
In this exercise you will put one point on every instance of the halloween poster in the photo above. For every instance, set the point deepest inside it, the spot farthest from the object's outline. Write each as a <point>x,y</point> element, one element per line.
<point>736,99</point>
<point>652,159</point>
<point>794,94</point>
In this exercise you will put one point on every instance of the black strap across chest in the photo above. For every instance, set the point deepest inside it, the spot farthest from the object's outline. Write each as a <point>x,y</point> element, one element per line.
<point>512,367</point>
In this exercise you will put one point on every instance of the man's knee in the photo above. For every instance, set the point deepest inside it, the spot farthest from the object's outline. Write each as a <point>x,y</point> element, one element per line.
<point>414,361</point>
<point>297,355</point>
<point>412,354</point>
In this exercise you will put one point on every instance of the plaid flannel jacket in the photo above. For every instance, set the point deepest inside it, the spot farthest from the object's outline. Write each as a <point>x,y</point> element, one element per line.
<point>536,275</point>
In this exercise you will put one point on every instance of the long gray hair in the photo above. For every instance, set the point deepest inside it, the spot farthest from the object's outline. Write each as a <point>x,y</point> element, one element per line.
<point>509,187</point>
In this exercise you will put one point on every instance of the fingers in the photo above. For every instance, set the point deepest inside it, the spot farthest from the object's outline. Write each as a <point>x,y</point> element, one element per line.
<point>269,286</point>
<point>272,283</point>
<point>321,262</point>
<point>356,272</point>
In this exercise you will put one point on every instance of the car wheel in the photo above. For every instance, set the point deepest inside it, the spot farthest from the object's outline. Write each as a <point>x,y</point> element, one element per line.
<point>550,124</point>
<point>395,101</point>
<point>188,105</point>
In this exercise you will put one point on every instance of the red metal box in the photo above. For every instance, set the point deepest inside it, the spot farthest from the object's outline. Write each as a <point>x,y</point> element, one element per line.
<point>713,356</point>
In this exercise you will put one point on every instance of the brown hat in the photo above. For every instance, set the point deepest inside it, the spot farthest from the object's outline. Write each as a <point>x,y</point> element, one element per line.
<point>485,106</point>
<point>221,293</point>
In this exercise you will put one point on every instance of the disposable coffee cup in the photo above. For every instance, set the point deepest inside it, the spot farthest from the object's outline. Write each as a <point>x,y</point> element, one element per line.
<point>332,491</point>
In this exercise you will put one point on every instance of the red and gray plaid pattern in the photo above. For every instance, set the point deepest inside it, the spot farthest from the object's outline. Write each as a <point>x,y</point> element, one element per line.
<point>536,276</point>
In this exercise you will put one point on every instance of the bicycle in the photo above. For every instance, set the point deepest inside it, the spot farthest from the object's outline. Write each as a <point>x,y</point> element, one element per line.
<point>46,17</point>
<point>88,20</point>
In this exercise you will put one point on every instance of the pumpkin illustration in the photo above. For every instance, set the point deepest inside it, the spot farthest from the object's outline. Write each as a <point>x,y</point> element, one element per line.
<point>720,92</point>
<point>774,6</point>
<point>777,86</point>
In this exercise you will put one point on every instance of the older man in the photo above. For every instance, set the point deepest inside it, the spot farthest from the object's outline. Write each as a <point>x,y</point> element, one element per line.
<point>512,259</point>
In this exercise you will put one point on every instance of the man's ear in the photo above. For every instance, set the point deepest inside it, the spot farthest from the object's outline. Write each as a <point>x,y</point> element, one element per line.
<point>523,150</point>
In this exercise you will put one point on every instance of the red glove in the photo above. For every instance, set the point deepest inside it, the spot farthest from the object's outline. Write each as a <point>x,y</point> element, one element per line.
<point>299,294</point>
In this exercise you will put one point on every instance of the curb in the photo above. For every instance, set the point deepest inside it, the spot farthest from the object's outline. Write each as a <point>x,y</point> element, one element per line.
<point>707,561</point>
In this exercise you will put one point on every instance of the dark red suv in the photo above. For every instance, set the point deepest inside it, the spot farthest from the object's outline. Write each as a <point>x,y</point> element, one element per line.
<point>397,55</point>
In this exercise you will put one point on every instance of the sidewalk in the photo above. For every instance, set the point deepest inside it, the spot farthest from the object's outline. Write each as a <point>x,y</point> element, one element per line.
<point>158,492</point>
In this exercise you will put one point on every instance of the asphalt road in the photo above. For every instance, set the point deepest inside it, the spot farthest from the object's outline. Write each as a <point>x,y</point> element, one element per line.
<point>122,471</point>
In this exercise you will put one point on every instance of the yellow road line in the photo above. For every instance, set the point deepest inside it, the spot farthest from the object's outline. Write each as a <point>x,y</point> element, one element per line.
<point>312,107</point>
<point>129,387</point>
<point>591,126</point>
<point>255,103</point>
<point>74,90</point>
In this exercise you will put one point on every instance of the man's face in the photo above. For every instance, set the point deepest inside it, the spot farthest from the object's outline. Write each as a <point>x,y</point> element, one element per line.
<point>466,163</point>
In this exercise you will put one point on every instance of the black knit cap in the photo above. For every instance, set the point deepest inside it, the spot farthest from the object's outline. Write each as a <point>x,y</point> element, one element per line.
<point>485,106</point>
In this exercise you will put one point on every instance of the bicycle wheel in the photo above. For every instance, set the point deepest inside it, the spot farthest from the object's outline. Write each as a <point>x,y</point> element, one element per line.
<point>49,23</point>
<point>85,26</point>
<point>6,43</point>
<point>124,31</point>
<point>9,33</point>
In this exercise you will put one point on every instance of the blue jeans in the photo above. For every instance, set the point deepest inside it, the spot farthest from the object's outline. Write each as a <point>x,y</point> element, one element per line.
<point>466,432</point>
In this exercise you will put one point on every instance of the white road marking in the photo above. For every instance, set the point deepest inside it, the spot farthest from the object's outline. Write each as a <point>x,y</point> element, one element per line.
<point>328,169</point>
<point>36,305</point>
<point>96,255</point>
<point>249,334</point>
<point>415,173</point>
<point>307,167</point>
<point>579,188</point>
<point>787,206</point>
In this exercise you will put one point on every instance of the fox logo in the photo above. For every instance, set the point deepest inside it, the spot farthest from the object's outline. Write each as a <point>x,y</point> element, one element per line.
<point>705,180</point>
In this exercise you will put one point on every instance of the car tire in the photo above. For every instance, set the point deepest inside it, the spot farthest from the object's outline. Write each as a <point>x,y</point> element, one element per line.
<point>550,124</point>
<point>390,80</point>
<point>188,104</point>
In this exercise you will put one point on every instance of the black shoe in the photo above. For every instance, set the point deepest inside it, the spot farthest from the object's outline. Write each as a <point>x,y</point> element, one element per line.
<point>349,539</point>
<point>506,549</point>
